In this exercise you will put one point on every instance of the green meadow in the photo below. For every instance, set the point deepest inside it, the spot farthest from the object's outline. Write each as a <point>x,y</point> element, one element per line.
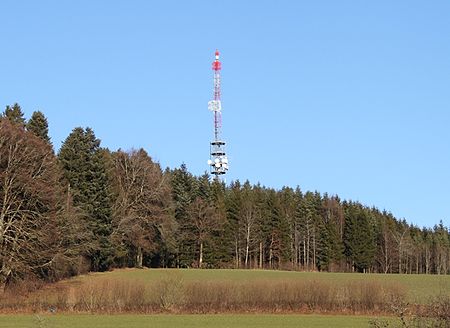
<point>185,321</point>
<point>135,298</point>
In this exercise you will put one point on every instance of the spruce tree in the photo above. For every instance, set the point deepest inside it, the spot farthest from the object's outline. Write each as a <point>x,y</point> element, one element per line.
<point>184,191</point>
<point>275,230</point>
<point>84,170</point>
<point>38,125</point>
<point>233,203</point>
<point>221,238</point>
<point>359,239</point>
<point>14,114</point>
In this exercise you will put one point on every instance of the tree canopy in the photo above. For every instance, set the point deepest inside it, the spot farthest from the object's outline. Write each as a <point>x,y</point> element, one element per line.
<point>89,208</point>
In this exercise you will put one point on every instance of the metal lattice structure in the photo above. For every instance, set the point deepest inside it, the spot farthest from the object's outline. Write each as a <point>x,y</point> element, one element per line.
<point>218,161</point>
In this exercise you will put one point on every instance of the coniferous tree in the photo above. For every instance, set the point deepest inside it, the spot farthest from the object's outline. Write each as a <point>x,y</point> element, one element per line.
<point>296,229</point>
<point>184,191</point>
<point>248,215</point>
<point>359,238</point>
<point>275,230</point>
<point>441,249</point>
<point>84,171</point>
<point>330,243</point>
<point>38,125</point>
<point>233,204</point>
<point>288,203</point>
<point>221,239</point>
<point>14,114</point>
<point>309,217</point>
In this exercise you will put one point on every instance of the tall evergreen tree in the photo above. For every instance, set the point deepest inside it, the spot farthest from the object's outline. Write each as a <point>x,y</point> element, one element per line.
<point>330,243</point>
<point>221,239</point>
<point>184,191</point>
<point>359,239</point>
<point>84,169</point>
<point>233,202</point>
<point>288,202</point>
<point>275,230</point>
<point>14,114</point>
<point>38,125</point>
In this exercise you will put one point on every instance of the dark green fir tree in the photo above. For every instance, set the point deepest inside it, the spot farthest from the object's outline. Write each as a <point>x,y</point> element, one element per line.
<point>85,175</point>
<point>14,114</point>
<point>38,125</point>
<point>359,238</point>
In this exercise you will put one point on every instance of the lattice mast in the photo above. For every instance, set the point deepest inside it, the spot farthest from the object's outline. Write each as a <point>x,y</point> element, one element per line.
<point>218,161</point>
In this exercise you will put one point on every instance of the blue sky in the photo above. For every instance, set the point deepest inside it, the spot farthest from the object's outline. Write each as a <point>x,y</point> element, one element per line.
<point>345,97</point>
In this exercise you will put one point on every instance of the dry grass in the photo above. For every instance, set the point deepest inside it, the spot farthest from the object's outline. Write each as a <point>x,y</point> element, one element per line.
<point>175,295</point>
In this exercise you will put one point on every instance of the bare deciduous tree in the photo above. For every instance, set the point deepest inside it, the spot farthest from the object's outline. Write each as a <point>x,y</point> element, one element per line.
<point>28,204</point>
<point>141,206</point>
<point>204,221</point>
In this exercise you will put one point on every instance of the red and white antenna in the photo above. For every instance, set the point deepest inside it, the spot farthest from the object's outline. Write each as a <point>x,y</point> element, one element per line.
<point>218,161</point>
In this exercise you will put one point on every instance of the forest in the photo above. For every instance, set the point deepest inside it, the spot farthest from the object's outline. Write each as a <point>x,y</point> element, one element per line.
<point>87,208</point>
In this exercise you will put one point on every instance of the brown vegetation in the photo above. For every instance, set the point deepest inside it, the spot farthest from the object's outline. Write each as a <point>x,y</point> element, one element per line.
<point>28,204</point>
<point>140,211</point>
<point>172,294</point>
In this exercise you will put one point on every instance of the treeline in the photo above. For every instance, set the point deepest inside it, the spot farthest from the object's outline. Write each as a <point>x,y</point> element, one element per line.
<point>87,208</point>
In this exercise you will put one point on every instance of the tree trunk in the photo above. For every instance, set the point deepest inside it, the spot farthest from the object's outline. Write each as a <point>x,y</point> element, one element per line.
<point>260,255</point>
<point>299,257</point>
<point>4,276</point>
<point>271,252</point>
<point>307,246</point>
<point>386,258</point>
<point>236,250</point>
<point>247,245</point>
<point>139,257</point>
<point>314,249</point>
<point>200,258</point>
<point>304,252</point>
<point>295,250</point>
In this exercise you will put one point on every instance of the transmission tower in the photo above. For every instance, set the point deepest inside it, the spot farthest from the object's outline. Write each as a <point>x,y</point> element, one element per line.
<point>218,161</point>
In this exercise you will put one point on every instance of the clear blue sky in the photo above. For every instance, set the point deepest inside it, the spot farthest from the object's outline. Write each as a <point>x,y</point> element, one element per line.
<point>345,97</point>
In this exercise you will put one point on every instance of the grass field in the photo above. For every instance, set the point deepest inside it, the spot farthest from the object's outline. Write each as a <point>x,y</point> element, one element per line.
<point>99,289</point>
<point>185,321</point>
<point>419,288</point>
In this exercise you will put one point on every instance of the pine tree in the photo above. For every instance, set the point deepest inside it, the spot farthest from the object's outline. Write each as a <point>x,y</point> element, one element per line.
<point>84,171</point>
<point>38,125</point>
<point>14,114</point>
